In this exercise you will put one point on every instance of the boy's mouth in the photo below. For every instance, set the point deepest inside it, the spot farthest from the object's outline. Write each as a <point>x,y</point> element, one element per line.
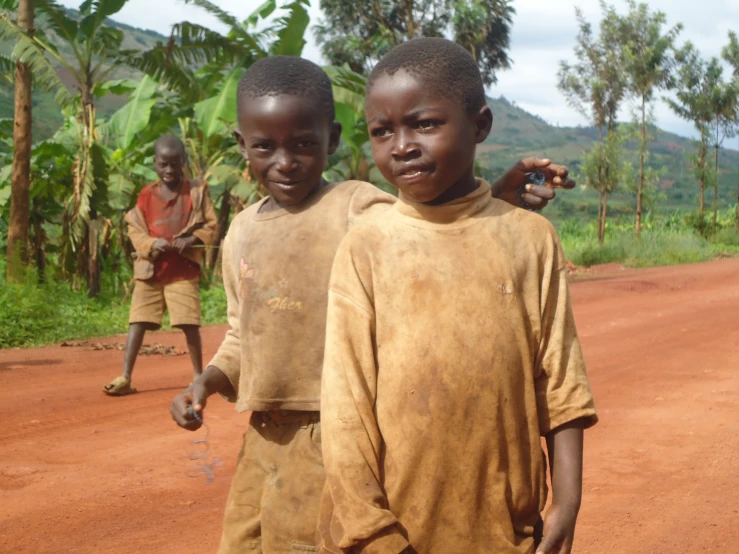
<point>285,185</point>
<point>413,172</point>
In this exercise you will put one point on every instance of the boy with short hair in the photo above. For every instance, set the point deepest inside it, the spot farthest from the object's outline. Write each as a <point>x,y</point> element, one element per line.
<point>277,258</point>
<point>171,219</point>
<point>451,346</point>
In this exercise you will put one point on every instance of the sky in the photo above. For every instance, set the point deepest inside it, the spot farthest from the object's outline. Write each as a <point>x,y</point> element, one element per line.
<point>543,34</point>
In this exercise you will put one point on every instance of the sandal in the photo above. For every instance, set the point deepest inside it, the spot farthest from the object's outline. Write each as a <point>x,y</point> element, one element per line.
<point>120,386</point>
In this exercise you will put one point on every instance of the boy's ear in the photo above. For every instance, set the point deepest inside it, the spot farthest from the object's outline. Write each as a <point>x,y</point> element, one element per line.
<point>335,137</point>
<point>242,143</point>
<point>483,123</point>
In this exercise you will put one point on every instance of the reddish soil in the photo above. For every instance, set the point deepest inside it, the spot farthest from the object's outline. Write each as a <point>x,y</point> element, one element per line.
<point>81,472</point>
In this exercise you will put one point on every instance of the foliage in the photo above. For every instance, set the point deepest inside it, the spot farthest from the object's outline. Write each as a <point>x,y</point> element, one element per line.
<point>357,34</point>
<point>648,63</point>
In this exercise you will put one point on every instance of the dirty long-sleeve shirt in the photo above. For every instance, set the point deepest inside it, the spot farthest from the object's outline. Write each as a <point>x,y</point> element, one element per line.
<point>276,268</point>
<point>451,348</point>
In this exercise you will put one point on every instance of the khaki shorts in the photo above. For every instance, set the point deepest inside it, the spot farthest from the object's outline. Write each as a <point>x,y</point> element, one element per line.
<point>276,490</point>
<point>181,299</point>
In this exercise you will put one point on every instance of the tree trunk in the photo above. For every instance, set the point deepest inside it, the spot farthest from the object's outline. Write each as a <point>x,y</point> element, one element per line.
<point>93,261</point>
<point>17,252</point>
<point>39,242</point>
<point>702,171</point>
<point>642,155</point>
<point>715,192</point>
<point>600,215</point>
<point>605,216</point>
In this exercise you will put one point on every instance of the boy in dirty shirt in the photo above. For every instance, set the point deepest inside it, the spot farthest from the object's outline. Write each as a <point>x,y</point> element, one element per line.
<point>277,260</point>
<point>451,346</point>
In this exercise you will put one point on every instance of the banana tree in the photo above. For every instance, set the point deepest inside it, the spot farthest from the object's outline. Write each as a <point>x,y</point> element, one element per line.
<point>96,52</point>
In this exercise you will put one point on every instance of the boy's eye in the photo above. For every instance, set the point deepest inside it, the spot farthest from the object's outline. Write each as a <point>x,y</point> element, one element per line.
<point>380,132</point>
<point>306,144</point>
<point>261,146</point>
<point>427,124</point>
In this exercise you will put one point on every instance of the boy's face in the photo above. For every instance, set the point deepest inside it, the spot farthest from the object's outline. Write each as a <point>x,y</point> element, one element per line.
<point>423,142</point>
<point>287,139</point>
<point>169,164</point>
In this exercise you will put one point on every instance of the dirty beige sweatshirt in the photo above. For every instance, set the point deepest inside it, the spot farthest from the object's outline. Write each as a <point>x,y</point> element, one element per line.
<point>276,268</point>
<point>451,349</point>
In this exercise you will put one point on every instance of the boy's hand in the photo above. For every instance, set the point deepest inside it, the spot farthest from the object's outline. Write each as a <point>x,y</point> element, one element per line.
<point>559,530</point>
<point>183,243</point>
<point>161,245</point>
<point>192,398</point>
<point>557,176</point>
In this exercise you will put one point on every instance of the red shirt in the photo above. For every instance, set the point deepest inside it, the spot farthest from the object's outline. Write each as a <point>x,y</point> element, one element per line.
<point>165,219</point>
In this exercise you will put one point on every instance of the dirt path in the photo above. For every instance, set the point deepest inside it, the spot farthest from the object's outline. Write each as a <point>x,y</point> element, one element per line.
<point>81,472</point>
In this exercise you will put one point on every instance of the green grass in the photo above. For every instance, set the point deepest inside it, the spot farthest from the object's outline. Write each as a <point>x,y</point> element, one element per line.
<point>664,241</point>
<point>33,314</point>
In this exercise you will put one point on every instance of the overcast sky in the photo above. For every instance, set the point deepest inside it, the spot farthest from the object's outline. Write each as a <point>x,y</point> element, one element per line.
<point>544,33</point>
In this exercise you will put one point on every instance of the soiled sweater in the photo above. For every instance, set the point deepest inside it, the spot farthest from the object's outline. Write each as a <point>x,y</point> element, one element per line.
<point>451,348</point>
<point>276,269</point>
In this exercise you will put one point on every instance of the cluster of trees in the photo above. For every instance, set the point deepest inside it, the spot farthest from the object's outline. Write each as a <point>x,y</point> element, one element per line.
<point>635,56</point>
<point>68,194</point>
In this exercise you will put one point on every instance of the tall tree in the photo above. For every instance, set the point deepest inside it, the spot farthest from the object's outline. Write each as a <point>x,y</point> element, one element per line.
<point>93,52</point>
<point>692,103</point>
<point>721,103</point>
<point>648,62</point>
<point>730,53</point>
<point>17,252</point>
<point>359,33</point>
<point>595,86</point>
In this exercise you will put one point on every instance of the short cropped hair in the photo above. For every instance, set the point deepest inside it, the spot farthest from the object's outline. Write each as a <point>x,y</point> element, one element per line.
<point>288,75</point>
<point>170,142</point>
<point>439,63</point>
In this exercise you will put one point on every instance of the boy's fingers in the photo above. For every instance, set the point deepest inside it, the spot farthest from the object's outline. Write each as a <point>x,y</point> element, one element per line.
<point>540,191</point>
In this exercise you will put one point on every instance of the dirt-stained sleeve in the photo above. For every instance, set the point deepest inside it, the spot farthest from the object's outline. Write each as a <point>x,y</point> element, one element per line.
<point>562,388</point>
<point>367,201</point>
<point>207,233</point>
<point>228,357</point>
<point>138,233</point>
<point>360,520</point>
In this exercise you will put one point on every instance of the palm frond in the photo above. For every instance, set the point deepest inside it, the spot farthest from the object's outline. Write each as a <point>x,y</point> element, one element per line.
<point>222,15</point>
<point>191,43</point>
<point>45,76</point>
<point>7,69</point>
<point>58,20</point>
<point>156,64</point>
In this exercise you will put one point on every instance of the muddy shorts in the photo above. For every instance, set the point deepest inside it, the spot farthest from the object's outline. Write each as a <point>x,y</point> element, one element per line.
<point>273,504</point>
<point>181,299</point>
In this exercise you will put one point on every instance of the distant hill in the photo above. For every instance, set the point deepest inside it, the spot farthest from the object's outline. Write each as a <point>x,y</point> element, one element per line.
<point>516,134</point>
<point>46,114</point>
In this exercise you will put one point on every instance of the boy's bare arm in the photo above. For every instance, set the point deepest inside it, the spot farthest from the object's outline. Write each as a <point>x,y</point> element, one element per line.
<point>565,446</point>
<point>212,381</point>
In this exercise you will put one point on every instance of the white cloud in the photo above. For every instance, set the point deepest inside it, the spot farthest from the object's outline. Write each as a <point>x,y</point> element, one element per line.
<point>544,33</point>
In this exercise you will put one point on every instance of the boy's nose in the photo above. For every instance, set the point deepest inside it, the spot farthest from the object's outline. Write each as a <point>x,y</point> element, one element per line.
<point>404,148</point>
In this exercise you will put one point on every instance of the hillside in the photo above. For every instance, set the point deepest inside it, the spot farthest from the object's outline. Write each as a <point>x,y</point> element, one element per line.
<point>46,114</point>
<point>517,133</point>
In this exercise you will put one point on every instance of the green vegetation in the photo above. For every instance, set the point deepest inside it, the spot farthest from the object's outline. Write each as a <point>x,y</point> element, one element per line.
<point>35,314</point>
<point>100,104</point>
<point>667,240</point>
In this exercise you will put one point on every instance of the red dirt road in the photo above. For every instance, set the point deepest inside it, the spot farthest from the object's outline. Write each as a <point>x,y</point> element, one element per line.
<point>81,472</point>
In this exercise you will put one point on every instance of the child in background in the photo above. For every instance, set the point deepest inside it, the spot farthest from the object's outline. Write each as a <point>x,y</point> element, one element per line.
<point>277,259</point>
<point>451,346</point>
<point>171,219</point>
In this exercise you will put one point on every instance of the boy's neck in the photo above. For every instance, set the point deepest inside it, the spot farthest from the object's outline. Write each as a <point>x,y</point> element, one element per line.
<point>460,189</point>
<point>173,187</point>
